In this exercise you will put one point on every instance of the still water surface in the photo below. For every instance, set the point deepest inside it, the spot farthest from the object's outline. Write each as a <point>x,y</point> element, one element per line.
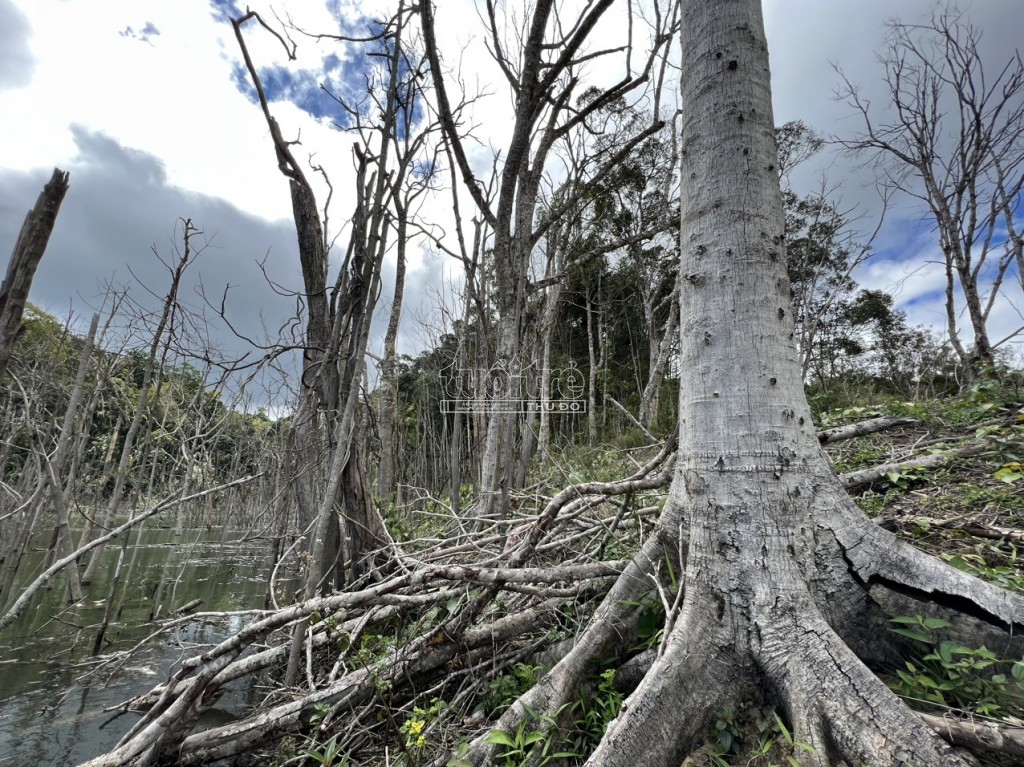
<point>52,695</point>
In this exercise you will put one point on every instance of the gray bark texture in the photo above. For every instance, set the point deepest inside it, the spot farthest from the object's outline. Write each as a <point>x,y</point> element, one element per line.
<point>786,585</point>
<point>28,252</point>
<point>659,351</point>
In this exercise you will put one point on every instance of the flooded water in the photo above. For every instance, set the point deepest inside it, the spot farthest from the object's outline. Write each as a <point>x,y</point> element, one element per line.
<point>52,695</point>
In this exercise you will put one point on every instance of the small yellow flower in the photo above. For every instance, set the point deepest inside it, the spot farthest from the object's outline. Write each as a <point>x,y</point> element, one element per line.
<point>421,741</point>
<point>416,726</point>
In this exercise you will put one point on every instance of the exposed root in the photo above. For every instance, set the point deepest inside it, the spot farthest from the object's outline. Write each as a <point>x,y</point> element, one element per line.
<point>611,629</point>
<point>670,711</point>
<point>903,580</point>
<point>837,706</point>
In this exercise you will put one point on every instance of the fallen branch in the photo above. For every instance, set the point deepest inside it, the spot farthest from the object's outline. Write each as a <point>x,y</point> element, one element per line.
<point>443,651</point>
<point>971,526</point>
<point>630,417</point>
<point>864,477</point>
<point>980,530</point>
<point>426,655</point>
<point>990,736</point>
<point>188,607</point>
<point>863,428</point>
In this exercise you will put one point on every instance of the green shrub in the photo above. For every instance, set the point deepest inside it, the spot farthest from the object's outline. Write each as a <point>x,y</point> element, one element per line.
<point>947,674</point>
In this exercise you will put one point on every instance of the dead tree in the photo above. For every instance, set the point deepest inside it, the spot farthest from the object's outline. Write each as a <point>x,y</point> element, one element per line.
<point>54,469</point>
<point>152,372</point>
<point>786,586</point>
<point>953,138</point>
<point>28,252</point>
<point>542,75</point>
<point>332,354</point>
<point>416,157</point>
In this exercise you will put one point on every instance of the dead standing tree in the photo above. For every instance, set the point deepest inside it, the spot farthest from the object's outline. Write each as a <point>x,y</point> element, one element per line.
<point>28,252</point>
<point>330,378</point>
<point>416,159</point>
<point>336,326</point>
<point>628,212</point>
<point>954,139</point>
<point>393,167</point>
<point>543,78</point>
<point>152,374</point>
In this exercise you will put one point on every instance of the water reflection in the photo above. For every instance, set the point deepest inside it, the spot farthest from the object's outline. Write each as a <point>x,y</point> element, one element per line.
<point>52,695</point>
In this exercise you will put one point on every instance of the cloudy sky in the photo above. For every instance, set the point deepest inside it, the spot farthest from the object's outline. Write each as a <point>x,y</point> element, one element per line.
<point>142,102</point>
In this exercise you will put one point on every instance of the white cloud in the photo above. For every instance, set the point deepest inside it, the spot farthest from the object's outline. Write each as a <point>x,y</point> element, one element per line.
<point>167,90</point>
<point>16,60</point>
<point>172,96</point>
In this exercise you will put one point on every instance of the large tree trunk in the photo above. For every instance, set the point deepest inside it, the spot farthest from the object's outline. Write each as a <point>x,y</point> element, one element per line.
<point>787,586</point>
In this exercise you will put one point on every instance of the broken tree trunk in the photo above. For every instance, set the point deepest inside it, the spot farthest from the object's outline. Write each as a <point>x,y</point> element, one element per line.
<point>28,252</point>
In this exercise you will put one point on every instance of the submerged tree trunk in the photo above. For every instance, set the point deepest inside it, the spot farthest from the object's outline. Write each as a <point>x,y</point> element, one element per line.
<point>55,468</point>
<point>152,368</point>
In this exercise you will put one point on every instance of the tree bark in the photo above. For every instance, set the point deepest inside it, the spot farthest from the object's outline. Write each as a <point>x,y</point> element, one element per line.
<point>592,371</point>
<point>659,352</point>
<point>28,252</point>
<point>389,383</point>
<point>786,586</point>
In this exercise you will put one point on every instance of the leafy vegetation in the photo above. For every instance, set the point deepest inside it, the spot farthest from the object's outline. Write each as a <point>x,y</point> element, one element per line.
<point>756,737</point>
<point>546,739</point>
<point>944,673</point>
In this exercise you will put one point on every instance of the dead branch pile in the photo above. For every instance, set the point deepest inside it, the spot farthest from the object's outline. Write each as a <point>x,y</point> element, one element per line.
<point>464,606</point>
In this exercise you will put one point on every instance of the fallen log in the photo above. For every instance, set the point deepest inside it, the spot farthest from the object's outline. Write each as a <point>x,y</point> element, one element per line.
<point>985,736</point>
<point>858,479</point>
<point>863,428</point>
